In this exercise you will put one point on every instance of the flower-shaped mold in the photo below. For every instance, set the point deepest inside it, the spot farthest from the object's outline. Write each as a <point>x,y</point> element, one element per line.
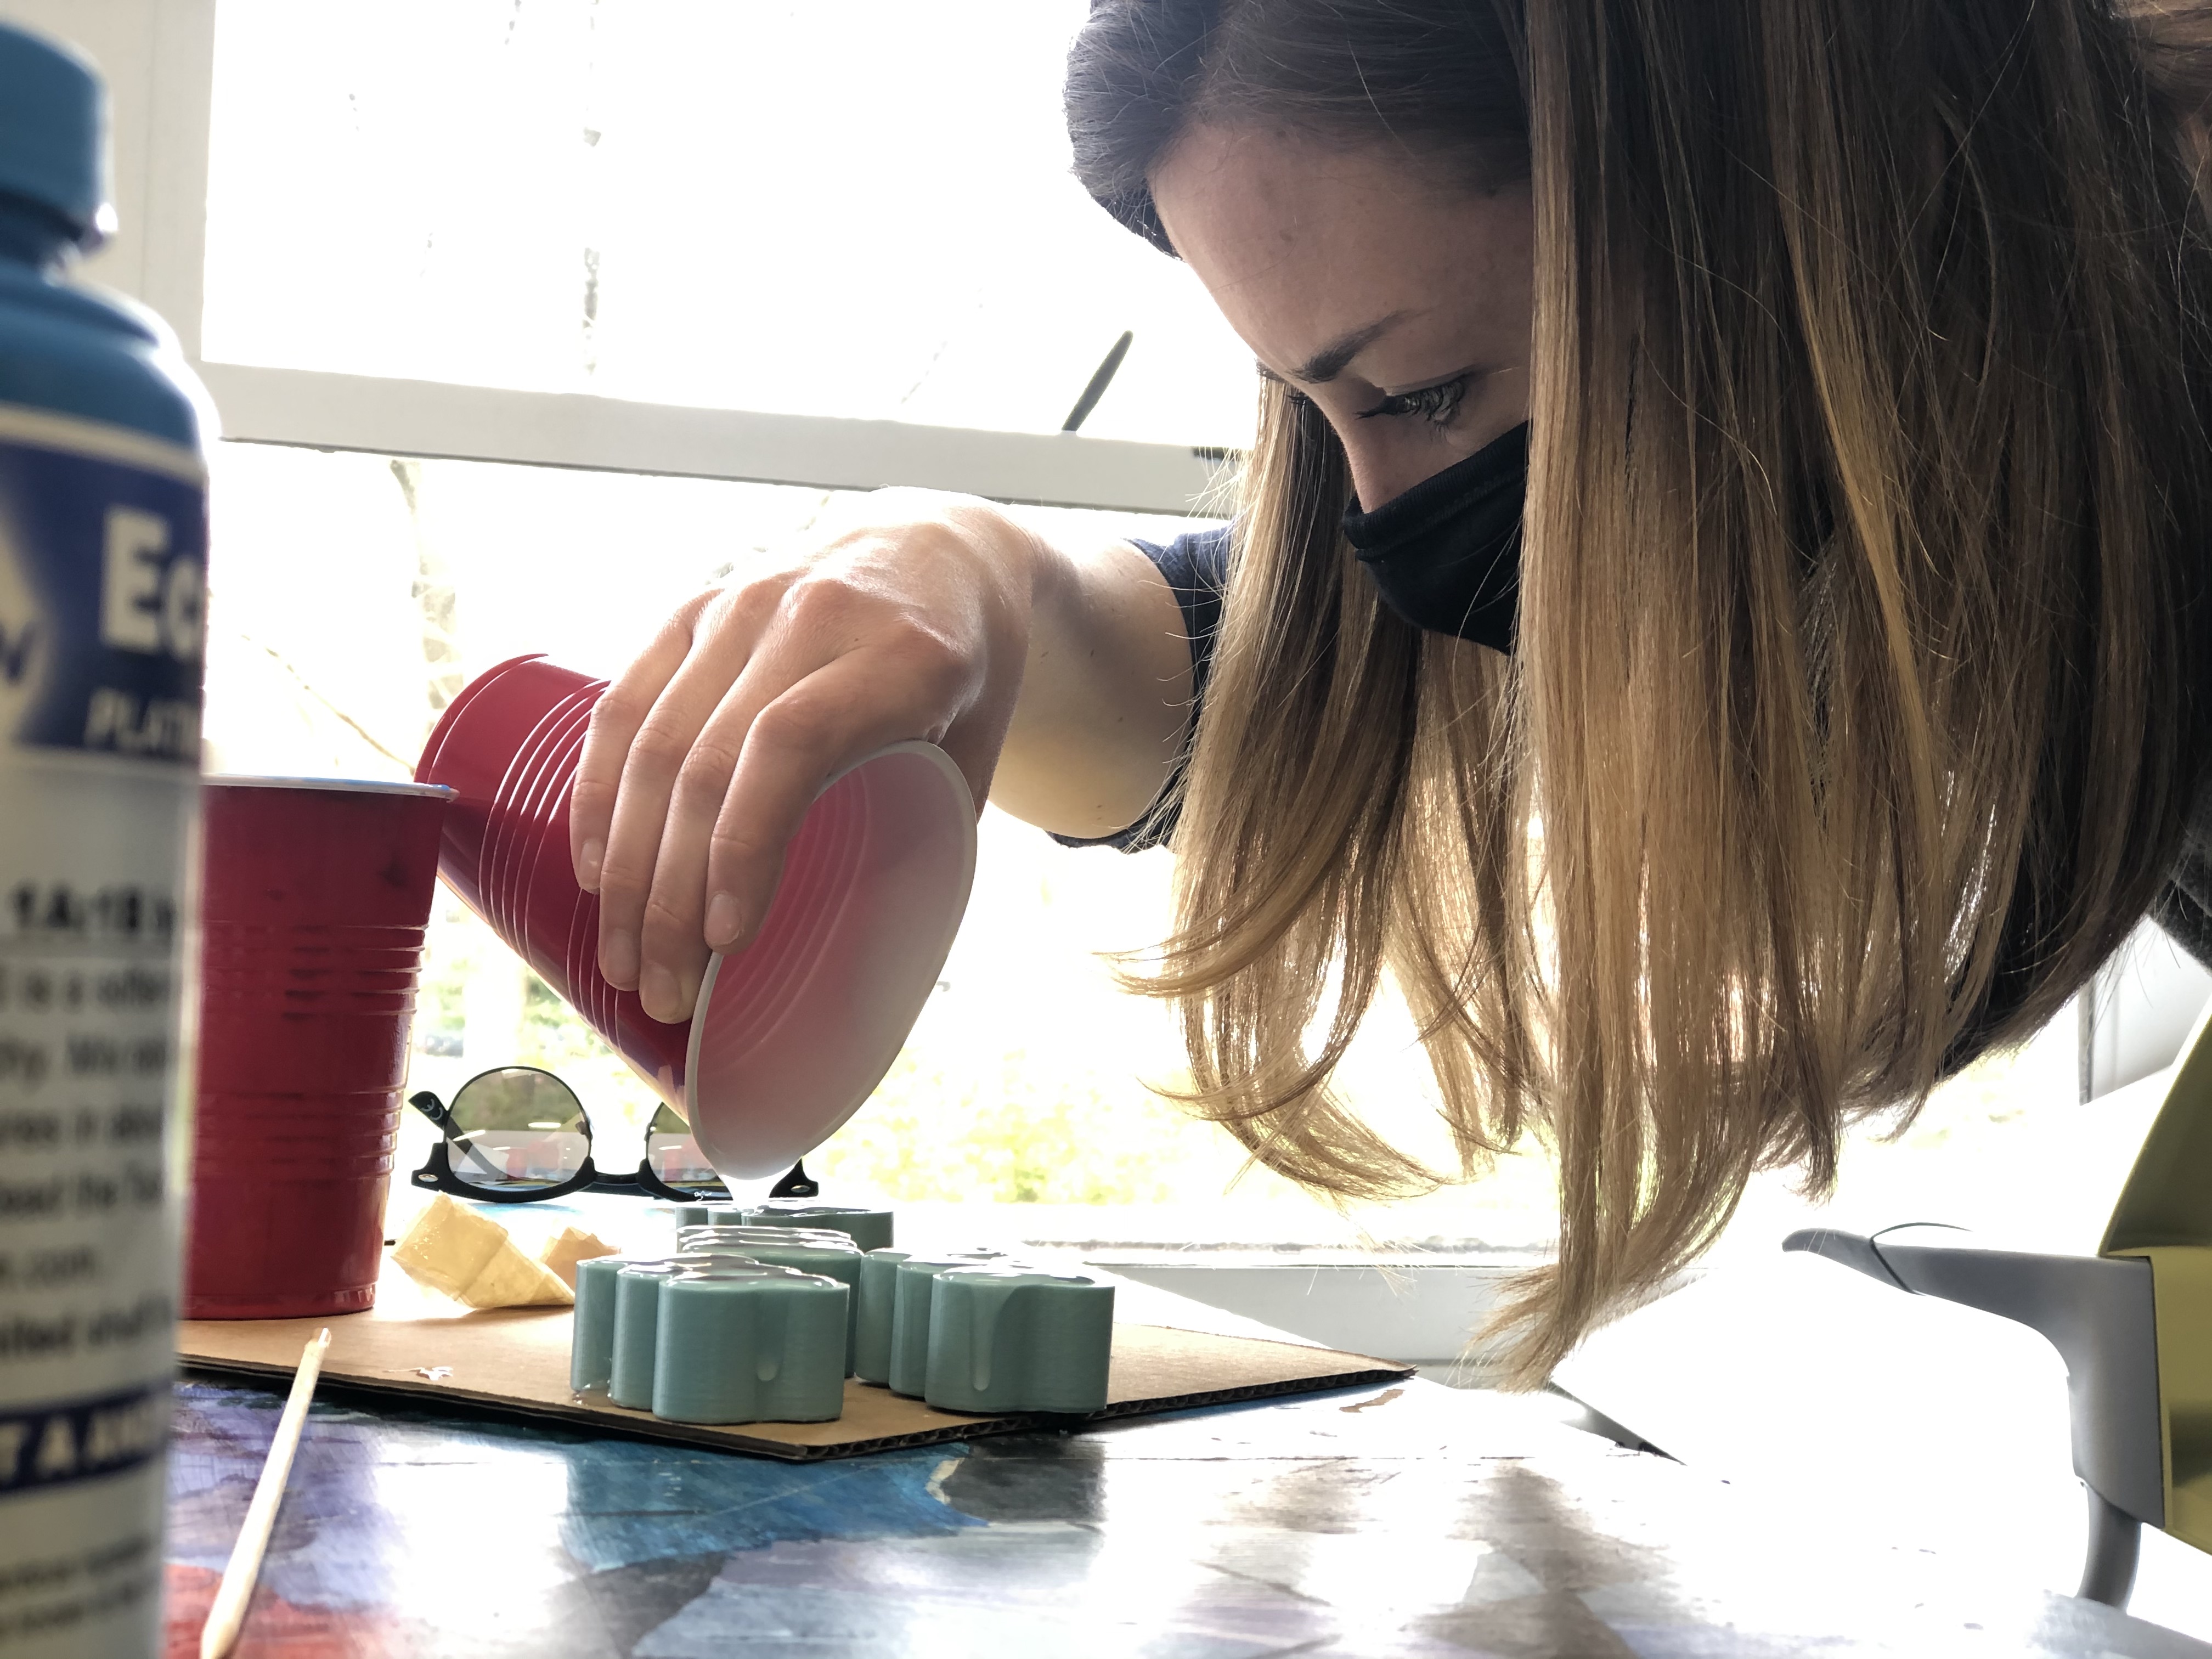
<point>1009,1339</point>
<point>870,1230</point>
<point>760,1344</point>
<point>911,1285</point>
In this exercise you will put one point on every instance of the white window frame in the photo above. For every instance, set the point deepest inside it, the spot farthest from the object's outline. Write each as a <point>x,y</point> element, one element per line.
<point>158,56</point>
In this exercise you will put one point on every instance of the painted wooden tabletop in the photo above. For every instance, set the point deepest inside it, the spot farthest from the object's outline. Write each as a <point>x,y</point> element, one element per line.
<point>1407,1520</point>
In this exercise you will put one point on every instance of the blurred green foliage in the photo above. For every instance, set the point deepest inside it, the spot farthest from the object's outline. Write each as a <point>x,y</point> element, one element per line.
<point>1012,1110</point>
<point>1028,1126</point>
<point>1021,1128</point>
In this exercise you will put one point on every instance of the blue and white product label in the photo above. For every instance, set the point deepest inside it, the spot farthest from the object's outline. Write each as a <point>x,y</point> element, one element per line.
<point>103,566</point>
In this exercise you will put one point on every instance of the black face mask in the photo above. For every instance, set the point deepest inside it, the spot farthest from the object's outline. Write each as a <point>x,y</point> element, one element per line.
<point>1446,554</point>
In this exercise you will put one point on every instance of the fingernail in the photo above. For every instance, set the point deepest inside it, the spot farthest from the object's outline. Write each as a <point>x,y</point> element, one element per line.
<point>618,958</point>
<point>662,997</point>
<point>722,921</point>
<point>587,864</point>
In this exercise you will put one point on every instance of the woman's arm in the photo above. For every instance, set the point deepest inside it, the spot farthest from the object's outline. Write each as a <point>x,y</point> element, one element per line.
<point>1057,682</point>
<point>1105,695</point>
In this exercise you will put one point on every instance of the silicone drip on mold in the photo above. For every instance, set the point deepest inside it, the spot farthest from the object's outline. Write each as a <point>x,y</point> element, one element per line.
<point>911,1314</point>
<point>1013,1339</point>
<point>751,1344</point>
<point>831,1254</point>
<point>870,1229</point>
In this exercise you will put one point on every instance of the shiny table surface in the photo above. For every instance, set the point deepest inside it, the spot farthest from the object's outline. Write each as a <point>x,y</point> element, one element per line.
<point>1412,1520</point>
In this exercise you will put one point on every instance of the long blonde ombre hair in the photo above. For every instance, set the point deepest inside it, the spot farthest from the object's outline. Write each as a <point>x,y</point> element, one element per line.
<point>1859,701</point>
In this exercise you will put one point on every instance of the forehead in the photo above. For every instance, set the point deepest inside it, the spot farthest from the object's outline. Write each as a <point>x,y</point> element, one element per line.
<point>1299,239</point>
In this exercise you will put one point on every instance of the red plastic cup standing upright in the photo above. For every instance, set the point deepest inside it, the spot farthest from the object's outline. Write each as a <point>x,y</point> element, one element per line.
<point>316,896</point>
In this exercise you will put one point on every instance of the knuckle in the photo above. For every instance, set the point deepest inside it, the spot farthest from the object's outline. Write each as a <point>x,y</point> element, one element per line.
<point>619,708</point>
<point>815,600</point>
<point>683,625</point>
<point>660,746</point>
<point>792,725</point>
<point>931,674</point>
<point>745,603</point>
<point>706,771</point>
<point>911,633</point>
<point>664,918</point>
<point>928,654</point>
<point>621,882</point>
<point>627,865</point>
<point>736,848</point>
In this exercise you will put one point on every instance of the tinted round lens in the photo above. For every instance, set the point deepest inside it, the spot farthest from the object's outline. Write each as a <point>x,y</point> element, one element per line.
<point>673,1156</point>
<point>518,1129</point>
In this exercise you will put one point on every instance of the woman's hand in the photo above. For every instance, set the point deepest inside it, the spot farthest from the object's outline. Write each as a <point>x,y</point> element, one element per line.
<point>704,756</point>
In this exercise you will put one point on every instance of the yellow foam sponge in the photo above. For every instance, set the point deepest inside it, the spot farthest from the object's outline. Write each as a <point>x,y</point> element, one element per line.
<point>465,1255</point>
<point>574,1244</point>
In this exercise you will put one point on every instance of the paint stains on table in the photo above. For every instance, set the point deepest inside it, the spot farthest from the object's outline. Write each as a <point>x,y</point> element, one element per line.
<point>1422,1523</point>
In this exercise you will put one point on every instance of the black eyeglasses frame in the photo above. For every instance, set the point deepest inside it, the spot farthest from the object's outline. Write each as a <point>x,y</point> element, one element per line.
<point>437,1174</point>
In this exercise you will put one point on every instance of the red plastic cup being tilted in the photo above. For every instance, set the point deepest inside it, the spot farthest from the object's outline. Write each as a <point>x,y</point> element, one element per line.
<point>792,1033</point>
<point>314,899</point>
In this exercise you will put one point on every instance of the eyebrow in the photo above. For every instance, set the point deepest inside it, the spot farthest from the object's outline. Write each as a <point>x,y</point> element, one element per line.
<point>1330,361</point>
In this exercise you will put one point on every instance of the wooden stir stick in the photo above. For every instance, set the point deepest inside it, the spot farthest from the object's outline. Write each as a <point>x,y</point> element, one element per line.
<point>231,1596</point>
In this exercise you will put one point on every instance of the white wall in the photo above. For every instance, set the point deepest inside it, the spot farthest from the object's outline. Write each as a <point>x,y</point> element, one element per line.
<point>155,56</point>
<point>2146,1000</point>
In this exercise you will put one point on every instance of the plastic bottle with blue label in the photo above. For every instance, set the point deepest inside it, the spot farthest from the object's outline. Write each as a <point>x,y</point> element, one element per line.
<point>103,562</point>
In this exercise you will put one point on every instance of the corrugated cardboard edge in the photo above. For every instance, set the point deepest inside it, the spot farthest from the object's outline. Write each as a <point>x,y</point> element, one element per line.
<point>529,1348</point>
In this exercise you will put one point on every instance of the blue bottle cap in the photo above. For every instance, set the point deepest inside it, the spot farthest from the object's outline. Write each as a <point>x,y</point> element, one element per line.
<point>53,139</point>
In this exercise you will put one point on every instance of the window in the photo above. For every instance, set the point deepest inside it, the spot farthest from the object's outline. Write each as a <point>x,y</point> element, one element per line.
<point>860,211</point>
<point>1025,1081</point>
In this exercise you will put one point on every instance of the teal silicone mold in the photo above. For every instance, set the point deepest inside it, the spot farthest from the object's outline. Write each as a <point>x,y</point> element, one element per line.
<point>716,1214</point>
<point>871,1316</point>
<point>730,1236</point>
<point>832,1254</point>
<point>870,1230</point>
<point>637,1285</point>
<point>637,1315</point>
<point>591,1347</point>
<point>1008,1339</point>
<point>908,1370</point>
<point>750,1345</point>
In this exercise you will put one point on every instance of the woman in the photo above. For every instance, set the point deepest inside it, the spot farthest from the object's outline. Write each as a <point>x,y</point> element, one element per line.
<point>1715,609</point>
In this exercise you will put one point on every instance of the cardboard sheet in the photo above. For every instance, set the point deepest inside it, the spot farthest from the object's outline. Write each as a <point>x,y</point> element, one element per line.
<point>517,1359</point>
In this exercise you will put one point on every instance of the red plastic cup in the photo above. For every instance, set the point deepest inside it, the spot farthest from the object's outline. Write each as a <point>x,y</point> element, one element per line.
<point>792,1033</point>
<point>315,897</point>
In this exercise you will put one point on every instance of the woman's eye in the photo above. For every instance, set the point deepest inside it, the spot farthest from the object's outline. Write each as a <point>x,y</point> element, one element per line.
<point>1436,404</point>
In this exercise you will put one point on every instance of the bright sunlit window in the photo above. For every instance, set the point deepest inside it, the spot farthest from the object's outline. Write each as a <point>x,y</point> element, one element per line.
<point>356,594</point>
<point>858,209</point>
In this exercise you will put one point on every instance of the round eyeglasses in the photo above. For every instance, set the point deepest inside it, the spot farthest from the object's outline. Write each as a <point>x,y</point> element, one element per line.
<point>517,1133</point>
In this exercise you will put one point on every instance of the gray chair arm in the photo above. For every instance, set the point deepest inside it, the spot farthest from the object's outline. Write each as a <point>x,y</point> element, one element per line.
<point>2097,1312</point>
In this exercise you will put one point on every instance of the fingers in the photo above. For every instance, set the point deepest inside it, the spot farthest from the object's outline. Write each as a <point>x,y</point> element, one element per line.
<point>820,726</point>
<point>703,758</point>
<point>784,730</point>
<point>671,942</point>
<point>619,712</point>
<point>648,747</point>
